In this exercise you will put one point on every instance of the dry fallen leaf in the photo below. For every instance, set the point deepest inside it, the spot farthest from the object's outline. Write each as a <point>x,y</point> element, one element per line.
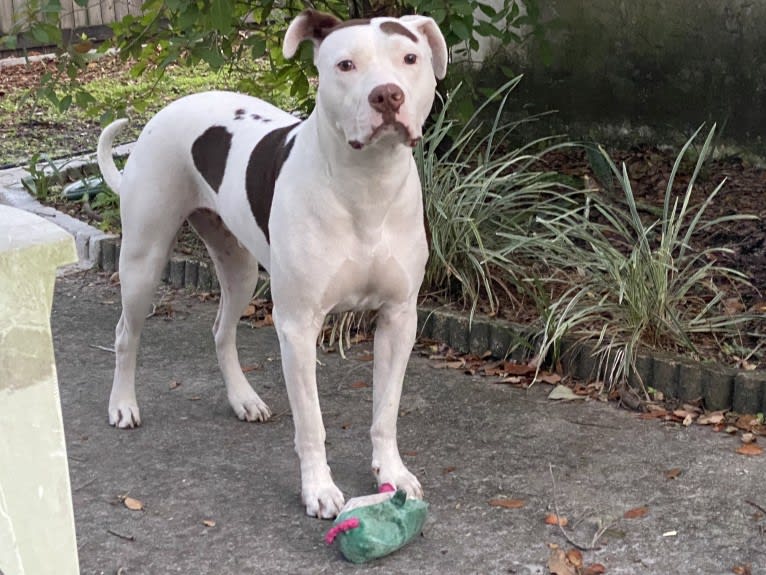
<point>518,369</point>
<point>672,473</point>
<point>636,513</point>
<point>174,384</point>
<point>360,385</point>
<point>750,449</point>
<point>742,570</point>
<point>249,311</point>
<point>551,378</point>
<point>563,393</point>
<point>594,569</point>
<point>575,557</point>
<point>713,418</point>
<point>507,503</point>
<point>208,523</point>
<point>553,519</point>
<point>266,321</point>
<point>747,422</point>
<point>558,564</point>
<point>133,504</point>
<point>748,437</point>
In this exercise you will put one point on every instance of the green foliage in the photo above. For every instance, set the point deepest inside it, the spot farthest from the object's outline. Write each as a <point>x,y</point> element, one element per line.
<point>44,175</point>
<point>632,283</point>
<point>476,187</point>
<point>463,22</point>
<point>107,205</point>
<point>226,33</point>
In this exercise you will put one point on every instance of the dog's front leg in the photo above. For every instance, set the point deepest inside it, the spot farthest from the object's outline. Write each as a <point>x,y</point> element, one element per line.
<point>394,338</point>
<point>297,339</point>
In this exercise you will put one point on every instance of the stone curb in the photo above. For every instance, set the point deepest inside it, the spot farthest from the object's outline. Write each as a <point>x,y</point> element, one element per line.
<point>718,386</point>
<point>88,240</point>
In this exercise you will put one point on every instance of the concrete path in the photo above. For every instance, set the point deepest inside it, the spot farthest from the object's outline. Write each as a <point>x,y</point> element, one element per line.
<point>469,442</point>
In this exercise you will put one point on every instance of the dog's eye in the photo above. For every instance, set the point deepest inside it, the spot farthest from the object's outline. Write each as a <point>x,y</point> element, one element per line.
<point>346,65</point>
<point>410,59</point>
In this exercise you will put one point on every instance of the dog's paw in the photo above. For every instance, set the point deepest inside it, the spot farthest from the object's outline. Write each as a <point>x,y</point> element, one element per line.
<point>124,415</point>
<point>323,501</point>
<point>249,407</point>
<point>400,478</point>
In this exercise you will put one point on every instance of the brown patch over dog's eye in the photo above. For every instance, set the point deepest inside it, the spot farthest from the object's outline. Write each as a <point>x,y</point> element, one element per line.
<point>410,59</point>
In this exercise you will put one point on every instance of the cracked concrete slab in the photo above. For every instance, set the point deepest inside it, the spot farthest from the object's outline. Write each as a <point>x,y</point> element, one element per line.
<point>469,441</point>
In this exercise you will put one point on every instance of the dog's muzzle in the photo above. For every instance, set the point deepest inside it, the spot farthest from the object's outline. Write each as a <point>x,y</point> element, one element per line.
<point>386,99</point>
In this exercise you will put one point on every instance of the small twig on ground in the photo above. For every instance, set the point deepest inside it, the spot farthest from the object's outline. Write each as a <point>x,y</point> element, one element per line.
<point>120,535</point>
<point>280,414</point>
<point>566,535</point>
<point>84,485</point>
<point>592,424</point>
<point>758,507</point>
<point>91,212</point>
<point>102,348</point>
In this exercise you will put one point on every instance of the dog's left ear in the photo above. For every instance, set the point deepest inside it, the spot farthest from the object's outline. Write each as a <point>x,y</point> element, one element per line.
<point>308,25</point>
<point>428,28</point>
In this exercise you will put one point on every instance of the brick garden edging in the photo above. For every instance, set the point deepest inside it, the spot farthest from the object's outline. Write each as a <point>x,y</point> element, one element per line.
<point>720,387</point>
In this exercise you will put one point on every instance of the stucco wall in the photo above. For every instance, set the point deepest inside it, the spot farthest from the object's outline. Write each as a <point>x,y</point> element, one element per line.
<point>654,62</point>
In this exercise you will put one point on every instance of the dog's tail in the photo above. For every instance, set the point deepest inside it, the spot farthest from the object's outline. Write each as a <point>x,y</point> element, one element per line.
<point>106,163</point>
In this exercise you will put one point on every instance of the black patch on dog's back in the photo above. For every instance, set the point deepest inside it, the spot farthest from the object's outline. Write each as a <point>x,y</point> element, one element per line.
<point>263,168</point>
<point>210,152</point>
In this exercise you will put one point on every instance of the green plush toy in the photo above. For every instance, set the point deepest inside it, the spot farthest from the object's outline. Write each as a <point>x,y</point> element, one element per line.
<point>375,525</point>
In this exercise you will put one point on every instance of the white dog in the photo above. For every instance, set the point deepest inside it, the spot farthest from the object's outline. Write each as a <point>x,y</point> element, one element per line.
<point>331,207</point>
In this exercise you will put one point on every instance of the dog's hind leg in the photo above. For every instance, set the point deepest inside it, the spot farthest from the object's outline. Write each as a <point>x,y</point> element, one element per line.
<point>141,265</point>
<point>237,272</point>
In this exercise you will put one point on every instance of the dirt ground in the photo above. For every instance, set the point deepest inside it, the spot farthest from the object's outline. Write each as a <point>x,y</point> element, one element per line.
<point>743,193</point>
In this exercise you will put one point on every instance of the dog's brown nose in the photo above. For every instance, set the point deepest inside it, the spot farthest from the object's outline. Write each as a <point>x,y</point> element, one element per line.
<point>386,98</point>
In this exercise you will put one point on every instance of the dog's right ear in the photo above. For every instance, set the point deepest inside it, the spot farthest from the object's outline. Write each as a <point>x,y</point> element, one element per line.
<point>308,25</point>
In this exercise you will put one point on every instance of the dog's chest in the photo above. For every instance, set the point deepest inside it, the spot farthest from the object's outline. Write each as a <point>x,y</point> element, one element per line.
<point>368,278</point>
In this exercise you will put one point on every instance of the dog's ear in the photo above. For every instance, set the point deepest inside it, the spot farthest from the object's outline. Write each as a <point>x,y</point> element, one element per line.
<point>428,28</point>
<point>308,25</point>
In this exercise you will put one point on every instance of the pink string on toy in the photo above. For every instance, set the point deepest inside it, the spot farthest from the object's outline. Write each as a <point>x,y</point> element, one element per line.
<point>386,488</point>
<point>341,527</point>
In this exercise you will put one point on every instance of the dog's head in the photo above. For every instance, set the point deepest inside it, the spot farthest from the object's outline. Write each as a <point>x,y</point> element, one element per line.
<point>376,77</point>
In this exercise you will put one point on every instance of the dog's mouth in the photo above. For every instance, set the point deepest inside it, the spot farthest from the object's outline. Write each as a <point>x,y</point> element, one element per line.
<point>392,127</point>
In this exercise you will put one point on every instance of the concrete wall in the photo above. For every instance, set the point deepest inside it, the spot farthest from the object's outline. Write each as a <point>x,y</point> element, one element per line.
<point>655,62</point>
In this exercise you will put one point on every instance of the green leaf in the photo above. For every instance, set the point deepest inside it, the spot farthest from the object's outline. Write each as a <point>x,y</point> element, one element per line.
<point>300,87</point>
<point>65,103</point>
<point>211,56</point>
<point>221,14</point>
<point>83,99</point>
<point>488,10</point>
<point>9,41</point>
<point>460,29</point>
<point>40,34</point>
<point>257,46</point>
